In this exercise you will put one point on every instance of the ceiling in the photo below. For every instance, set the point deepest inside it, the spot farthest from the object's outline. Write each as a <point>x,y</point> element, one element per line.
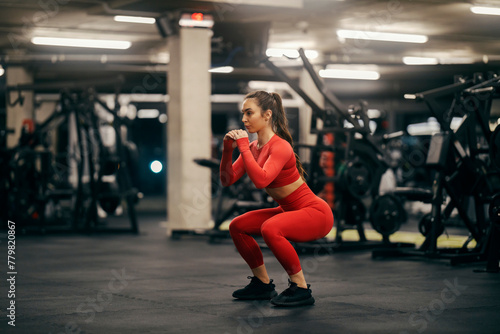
<point>453,31</point>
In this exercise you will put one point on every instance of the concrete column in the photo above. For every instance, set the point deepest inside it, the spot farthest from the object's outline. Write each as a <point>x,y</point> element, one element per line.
<point>307,85</point>
<point>16,114</point>
<point>189,130</point>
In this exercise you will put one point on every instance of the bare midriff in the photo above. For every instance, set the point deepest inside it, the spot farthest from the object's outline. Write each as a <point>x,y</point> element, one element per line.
<point>282,192</point>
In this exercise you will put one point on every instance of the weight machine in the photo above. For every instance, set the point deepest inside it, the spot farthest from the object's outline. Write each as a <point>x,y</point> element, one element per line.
<point>229,202</point>
<point>462,161</point>
<point>40,189</point>
<point>365,163</point>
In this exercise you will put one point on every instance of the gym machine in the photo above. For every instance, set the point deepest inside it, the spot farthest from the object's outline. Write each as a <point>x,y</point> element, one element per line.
<point>47,187</point>
<point>228,202</point>
<point>465,177</point>
<point>365,161</point>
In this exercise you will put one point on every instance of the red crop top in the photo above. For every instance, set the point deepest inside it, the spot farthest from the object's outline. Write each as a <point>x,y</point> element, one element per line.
<point>271,166</point>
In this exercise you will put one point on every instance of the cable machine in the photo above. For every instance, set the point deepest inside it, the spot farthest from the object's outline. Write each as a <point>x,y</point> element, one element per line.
<point>48,186</point>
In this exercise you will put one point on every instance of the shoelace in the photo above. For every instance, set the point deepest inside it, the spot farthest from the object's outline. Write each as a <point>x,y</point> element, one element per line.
<point>291,289</point>
<point>255,280</point>
<point>252,281</point>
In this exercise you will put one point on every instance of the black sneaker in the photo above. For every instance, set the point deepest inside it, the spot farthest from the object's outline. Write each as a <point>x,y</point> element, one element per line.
<point>294,296</point>
<point>256,290</point>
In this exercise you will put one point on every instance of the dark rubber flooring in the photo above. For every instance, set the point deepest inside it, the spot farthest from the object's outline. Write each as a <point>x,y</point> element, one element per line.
<point>148,283</point>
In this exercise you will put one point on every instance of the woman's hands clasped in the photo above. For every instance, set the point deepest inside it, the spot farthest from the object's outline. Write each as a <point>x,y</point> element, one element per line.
<point>235,135</point>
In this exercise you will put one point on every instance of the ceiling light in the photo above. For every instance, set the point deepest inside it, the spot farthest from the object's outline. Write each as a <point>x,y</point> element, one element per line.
<point>148,113</point>
<point>349,74</point>
<point>82,43</point>
<point>291,53</point>
<point>2,71</point>
<point>269,86</point>
<point>485,10</point>
<point>222,69</point>
<point>410,96</point>
<point>135,19</point>
<point>382,36</point>
<point>420,61</point>
<point>456,60</point>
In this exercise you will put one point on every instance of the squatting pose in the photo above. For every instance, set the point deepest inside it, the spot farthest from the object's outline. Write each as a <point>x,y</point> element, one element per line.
<point>301,216</point>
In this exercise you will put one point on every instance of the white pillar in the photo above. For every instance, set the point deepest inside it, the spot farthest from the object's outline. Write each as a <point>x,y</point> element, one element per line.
<point>16,114</point>
<point>189,130</point>
<point>305,112</point>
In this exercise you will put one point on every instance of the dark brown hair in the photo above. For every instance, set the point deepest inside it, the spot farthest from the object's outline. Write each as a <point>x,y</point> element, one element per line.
<point>279,121</point>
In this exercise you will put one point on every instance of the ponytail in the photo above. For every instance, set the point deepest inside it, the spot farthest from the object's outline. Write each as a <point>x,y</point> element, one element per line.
<point>279,121</point>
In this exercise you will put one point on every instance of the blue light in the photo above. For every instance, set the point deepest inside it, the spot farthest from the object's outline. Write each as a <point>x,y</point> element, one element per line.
<point>156,166</point>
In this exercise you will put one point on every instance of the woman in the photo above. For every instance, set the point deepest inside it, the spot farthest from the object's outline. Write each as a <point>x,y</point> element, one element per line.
<point>271,163</point>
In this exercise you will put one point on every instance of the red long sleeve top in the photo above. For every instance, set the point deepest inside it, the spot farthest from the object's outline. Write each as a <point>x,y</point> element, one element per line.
<point>271,166</point>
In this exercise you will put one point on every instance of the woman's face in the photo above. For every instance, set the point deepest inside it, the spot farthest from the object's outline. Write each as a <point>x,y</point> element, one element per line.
<point>253,117</point>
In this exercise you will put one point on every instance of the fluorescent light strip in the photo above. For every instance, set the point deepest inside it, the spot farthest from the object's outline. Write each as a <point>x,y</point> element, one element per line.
<point>2,71</point>
<point>485,10</point>
<point>381,36</point>
<point>349,74</point>
<point>291,53</point>
<point>457,60</point>
<point>222,69</point>
<point>135,19</point>
<point>420,61</point>
<point>268,85</point>
<point>410,96</point>
<point>435,61</point>
<point>148,113</point>
<point>82,43</point>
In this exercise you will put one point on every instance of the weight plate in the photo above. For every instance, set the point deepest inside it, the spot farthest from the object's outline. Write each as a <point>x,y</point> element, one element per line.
<point>357,178</point>
<point>425,225</point>
<point>387,214</point>
<point>109,196</point>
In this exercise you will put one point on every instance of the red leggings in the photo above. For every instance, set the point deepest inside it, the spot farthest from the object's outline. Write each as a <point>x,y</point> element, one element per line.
<point>301,217</point>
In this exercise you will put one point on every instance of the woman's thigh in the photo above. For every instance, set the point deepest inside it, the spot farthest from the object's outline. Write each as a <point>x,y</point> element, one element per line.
<point>306,224</point>
<point>251,222</point>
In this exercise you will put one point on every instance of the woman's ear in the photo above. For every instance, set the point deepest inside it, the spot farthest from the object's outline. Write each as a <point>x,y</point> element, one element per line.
<point>268,113</point>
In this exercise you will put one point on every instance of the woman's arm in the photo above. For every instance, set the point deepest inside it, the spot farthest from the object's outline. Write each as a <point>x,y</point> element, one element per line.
<point>229,172</point>
<point>263,176</point>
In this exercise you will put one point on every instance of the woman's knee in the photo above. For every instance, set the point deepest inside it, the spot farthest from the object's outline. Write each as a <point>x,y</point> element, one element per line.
<point>234,226</point>
<point>238,225</point>
<point>269,230</point>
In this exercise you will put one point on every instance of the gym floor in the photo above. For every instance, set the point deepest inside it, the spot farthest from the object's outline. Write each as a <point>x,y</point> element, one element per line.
<point>148,283</point>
